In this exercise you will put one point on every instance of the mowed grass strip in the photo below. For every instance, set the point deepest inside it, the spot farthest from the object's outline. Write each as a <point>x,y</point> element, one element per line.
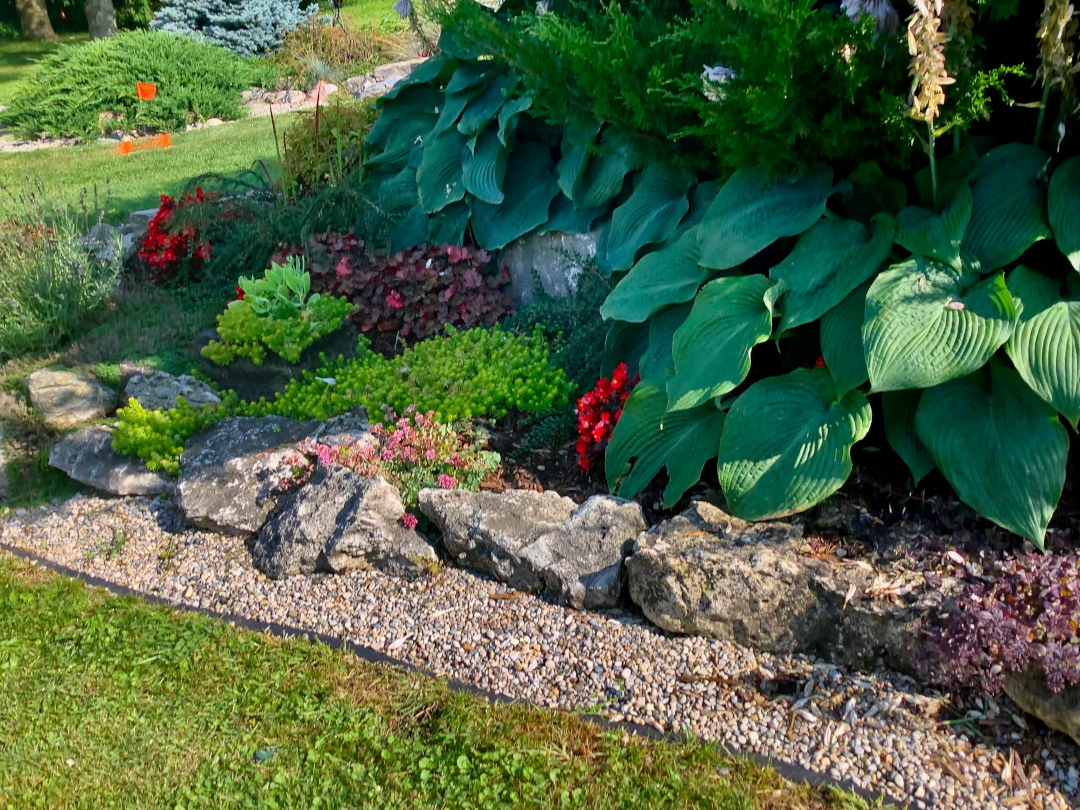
<point>125,183</point>
<point>113,703</point>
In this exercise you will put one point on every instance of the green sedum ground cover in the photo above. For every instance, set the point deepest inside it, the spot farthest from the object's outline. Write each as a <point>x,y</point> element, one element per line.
<point>113,703</point>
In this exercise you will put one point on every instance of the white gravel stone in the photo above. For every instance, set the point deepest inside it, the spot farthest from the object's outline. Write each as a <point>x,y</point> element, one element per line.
<point>877,730</point>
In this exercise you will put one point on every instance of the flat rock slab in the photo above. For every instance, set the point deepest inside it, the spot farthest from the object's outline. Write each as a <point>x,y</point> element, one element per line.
<point>231,472</point>
<point>160,391</point>
<point>707,573</point>
<point>340,521</point>
<point>1059,710</point>
<point>87,457</point>
<point>539,541</point>
<point>67,399</point>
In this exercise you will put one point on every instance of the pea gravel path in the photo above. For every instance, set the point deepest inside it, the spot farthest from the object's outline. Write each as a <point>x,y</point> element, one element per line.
<point>878,731</point>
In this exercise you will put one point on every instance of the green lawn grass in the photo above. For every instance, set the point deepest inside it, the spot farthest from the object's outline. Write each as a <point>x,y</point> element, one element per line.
<point>137,181</point>
<point>377,14</point>
<point>112,703</point>
<point>18,57</point>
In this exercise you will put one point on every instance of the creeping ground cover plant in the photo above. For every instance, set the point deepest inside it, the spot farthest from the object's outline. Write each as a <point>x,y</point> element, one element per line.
<point>275,312</point>
<point>459,376</point>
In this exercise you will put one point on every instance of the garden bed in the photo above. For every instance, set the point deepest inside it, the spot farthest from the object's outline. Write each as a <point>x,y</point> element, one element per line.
<point>880,731</point>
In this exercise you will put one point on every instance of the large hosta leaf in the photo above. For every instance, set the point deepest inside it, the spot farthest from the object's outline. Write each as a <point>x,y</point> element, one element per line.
<point>1008,214</point>
<point>577,144</point>
<point>649,215</point>
<point>484,167</point>
<point>658,360</point>
<point>670,275</point>
<point>1001,447</point>
<point>439,178</point>
<point>510,117</point>
<point>682,441</point>
<point>1064,207</point>
<point>787,444</point>
<point>925,232</point>
<point>448,226</point>
<point>870,192</point>
<point>841,340</point>
<point>403,126</point>
<point>828,262</point>
<point>484,108</point>
<point>898,413</point>
<point>605,174</point>
<point>753,210</point>
<point>529,188</point>
<point>1045,346</point>
<point>566,218</point>
<point>712,348</point>
<point>927,323</point>
<point>624,343</point>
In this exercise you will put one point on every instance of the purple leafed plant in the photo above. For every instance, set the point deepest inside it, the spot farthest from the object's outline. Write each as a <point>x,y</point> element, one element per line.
<point>1028,616</point>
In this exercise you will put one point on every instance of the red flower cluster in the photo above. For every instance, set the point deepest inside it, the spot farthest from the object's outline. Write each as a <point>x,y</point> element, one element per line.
<point>172,244</point>
<point>599,411</point>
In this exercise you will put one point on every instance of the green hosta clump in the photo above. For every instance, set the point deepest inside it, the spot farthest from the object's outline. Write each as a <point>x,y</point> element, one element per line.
<point>478,372</point>
<point>475,373</point>
<point>158,437</point>
<point>275,312</point>
<point>941,312</point>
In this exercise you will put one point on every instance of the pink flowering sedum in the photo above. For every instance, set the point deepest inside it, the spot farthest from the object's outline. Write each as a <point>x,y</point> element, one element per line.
<point>412,452</point>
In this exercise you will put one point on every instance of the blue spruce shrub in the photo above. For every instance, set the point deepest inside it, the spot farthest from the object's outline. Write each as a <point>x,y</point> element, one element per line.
<point>246,27</point>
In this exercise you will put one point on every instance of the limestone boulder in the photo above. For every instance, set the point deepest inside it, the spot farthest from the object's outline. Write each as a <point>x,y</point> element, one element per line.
<point>340,521</point>
<point>67,399</point>
<point>159,390</point>
<point>1059,710</point>
<point>539,541</point>
<point>233,472</point>
<point>87,456</point>
<point>581,561</point>
<point>705,572</point>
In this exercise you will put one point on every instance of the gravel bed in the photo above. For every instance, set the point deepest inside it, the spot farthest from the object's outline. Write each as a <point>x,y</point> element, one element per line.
<point>877,730</point>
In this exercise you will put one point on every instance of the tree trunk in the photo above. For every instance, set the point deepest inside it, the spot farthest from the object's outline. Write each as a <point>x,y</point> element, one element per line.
<point>34,19</point>
<point>101,18</point>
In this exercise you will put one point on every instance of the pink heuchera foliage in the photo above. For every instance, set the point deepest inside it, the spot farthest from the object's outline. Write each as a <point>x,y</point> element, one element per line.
<point>415,292</point>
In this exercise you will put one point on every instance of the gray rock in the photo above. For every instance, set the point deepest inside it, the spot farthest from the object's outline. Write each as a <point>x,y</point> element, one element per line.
<point>231,472</point>
<point>486,531</point>
<point>581,562</point>
<point>705,572</point>
<point>540,541</point>
<point>381,79</point>
<point>160,391</point>
<point>67,399</point>
<point>340,521</point>
<point>348,428</point>
<point>1059,710</point>
<point>556,258</point>
<point>87,456</point>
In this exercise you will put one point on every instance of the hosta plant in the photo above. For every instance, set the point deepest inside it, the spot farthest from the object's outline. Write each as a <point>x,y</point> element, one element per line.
<point>953,316</point>
<point>275,312</point>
